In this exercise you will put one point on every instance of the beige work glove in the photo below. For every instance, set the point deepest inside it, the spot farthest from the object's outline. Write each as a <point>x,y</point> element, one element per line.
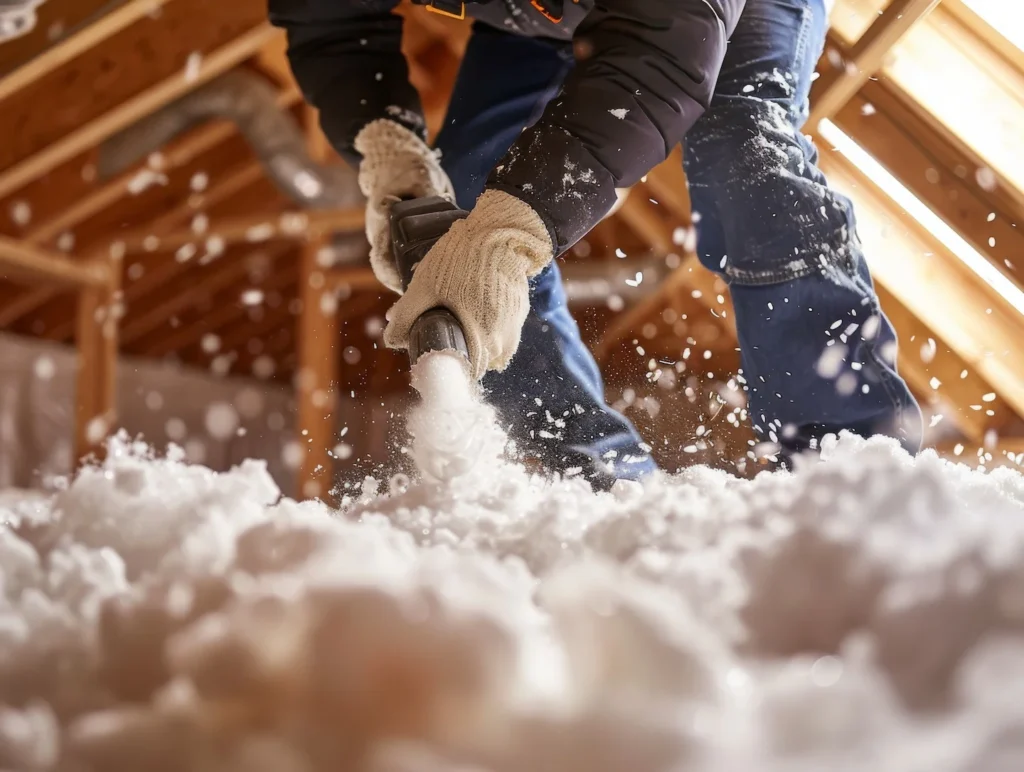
<point>479,270</point>
<point>395,163</point>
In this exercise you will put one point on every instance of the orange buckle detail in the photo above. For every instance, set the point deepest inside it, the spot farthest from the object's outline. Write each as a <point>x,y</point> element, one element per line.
<point>543,12</point>
<point>450,14</point>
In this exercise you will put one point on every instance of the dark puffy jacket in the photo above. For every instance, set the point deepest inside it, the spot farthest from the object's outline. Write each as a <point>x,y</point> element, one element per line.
<point>650,76</point>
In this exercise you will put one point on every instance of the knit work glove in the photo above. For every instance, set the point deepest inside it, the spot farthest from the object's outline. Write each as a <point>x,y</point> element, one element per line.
<point>395,163</point>
<point>479,270</point>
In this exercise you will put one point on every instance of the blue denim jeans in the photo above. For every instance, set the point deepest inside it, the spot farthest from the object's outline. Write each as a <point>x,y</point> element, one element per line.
<point>785,243</point>
<point>817,352</point>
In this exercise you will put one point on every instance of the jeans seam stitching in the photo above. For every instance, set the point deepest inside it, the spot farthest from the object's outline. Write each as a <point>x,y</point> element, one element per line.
<point>772,275</point>
<point>887,379</point>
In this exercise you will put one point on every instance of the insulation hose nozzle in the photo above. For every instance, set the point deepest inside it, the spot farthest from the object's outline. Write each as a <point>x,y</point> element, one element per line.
<point>416,225</point>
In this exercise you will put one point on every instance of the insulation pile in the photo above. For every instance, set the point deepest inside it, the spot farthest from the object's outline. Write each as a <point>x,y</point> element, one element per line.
<point>862,613</point>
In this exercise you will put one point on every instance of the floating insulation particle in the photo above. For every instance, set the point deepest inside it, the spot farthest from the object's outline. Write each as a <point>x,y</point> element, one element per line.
<point>221,421</point>
<point>44,368</point>
<point>21,213</point>
<point>193,66</point>
<point>210,343</point>
<point>252,297</point>
<point>145,179</point>
<point>308,185</point>
<point>260,232</point>
<point>185,253</point>
<point>294,223</point>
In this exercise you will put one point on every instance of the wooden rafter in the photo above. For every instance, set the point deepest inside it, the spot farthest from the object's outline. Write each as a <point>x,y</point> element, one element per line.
<point>647,219</point>
<point>932,165</point>
<point>981,29</point>
<point>658,224</point>
<point>26,263</point>
<point>691,280</point>
<point>234,336</point>
<point>230,271</point>
<point>945,382</point>
<point>160,271</point>
<point>867,56</point>
<point>63,52</point>
<point>27,302</point>
<point>291,226</point>
<point>279,338</point>
<point>222,314</point>
<point>961,308</point>
<point>942,49</point>
<point>190,147</point>
<point>273,59</point>
<point>133,109</point>
<point>667,185</point>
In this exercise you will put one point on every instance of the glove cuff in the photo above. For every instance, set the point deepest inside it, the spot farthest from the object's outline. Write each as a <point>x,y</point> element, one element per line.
<point>496,210</point>
<point>396,162</point>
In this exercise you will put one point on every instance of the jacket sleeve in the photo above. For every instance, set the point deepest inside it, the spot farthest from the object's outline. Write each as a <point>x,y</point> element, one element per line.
<point>650,75</point>
<point>346,57</point>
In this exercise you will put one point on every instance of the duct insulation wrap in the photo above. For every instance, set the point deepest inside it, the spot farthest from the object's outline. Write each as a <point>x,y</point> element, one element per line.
<point>250,102</point>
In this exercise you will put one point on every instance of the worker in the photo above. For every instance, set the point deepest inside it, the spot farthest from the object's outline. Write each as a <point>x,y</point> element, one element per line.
<point>557,105</point>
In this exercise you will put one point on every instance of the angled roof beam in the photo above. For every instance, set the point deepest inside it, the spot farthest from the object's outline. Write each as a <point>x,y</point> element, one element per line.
<point>978,26</point>
<point>981,122</point>
<point>867,55</point>
<point>88,37</point>
<point>24,262</point>
<point>946,384</point>
<point>931,164</point>
<point>177,339</point>
<point>180,153</point>
<point>128,112</point>
<point>27,302</point>
<point>255,228</point>
<point>945,294</point>
<point>233,269</point>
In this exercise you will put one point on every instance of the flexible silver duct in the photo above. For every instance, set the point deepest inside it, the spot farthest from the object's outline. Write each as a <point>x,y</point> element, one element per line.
<point>17,18</point>
<point>250,103</point>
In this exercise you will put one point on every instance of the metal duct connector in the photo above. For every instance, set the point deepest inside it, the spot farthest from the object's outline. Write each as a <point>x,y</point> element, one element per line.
<point>17,18</point>
<point>248,101</point>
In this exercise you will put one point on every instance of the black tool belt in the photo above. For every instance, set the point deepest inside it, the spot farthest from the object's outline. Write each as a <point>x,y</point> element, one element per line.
<point>456,9</point>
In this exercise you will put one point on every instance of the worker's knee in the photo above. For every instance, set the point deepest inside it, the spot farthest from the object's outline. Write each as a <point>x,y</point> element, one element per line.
<point>744,140</point>
<point>754,181</point>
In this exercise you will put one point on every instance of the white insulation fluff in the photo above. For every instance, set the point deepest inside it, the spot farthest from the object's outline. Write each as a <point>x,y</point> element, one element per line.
<point>862,613</point>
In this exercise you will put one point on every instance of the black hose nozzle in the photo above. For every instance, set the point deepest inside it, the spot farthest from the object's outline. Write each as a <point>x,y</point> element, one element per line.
<point>416,225</point>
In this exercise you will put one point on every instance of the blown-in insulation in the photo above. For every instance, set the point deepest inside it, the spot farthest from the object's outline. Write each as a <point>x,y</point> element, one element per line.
<point>862,613</point>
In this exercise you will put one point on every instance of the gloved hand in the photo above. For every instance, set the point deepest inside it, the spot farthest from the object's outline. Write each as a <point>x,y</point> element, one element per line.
<point>395,163</point>
<point>479,270</point>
